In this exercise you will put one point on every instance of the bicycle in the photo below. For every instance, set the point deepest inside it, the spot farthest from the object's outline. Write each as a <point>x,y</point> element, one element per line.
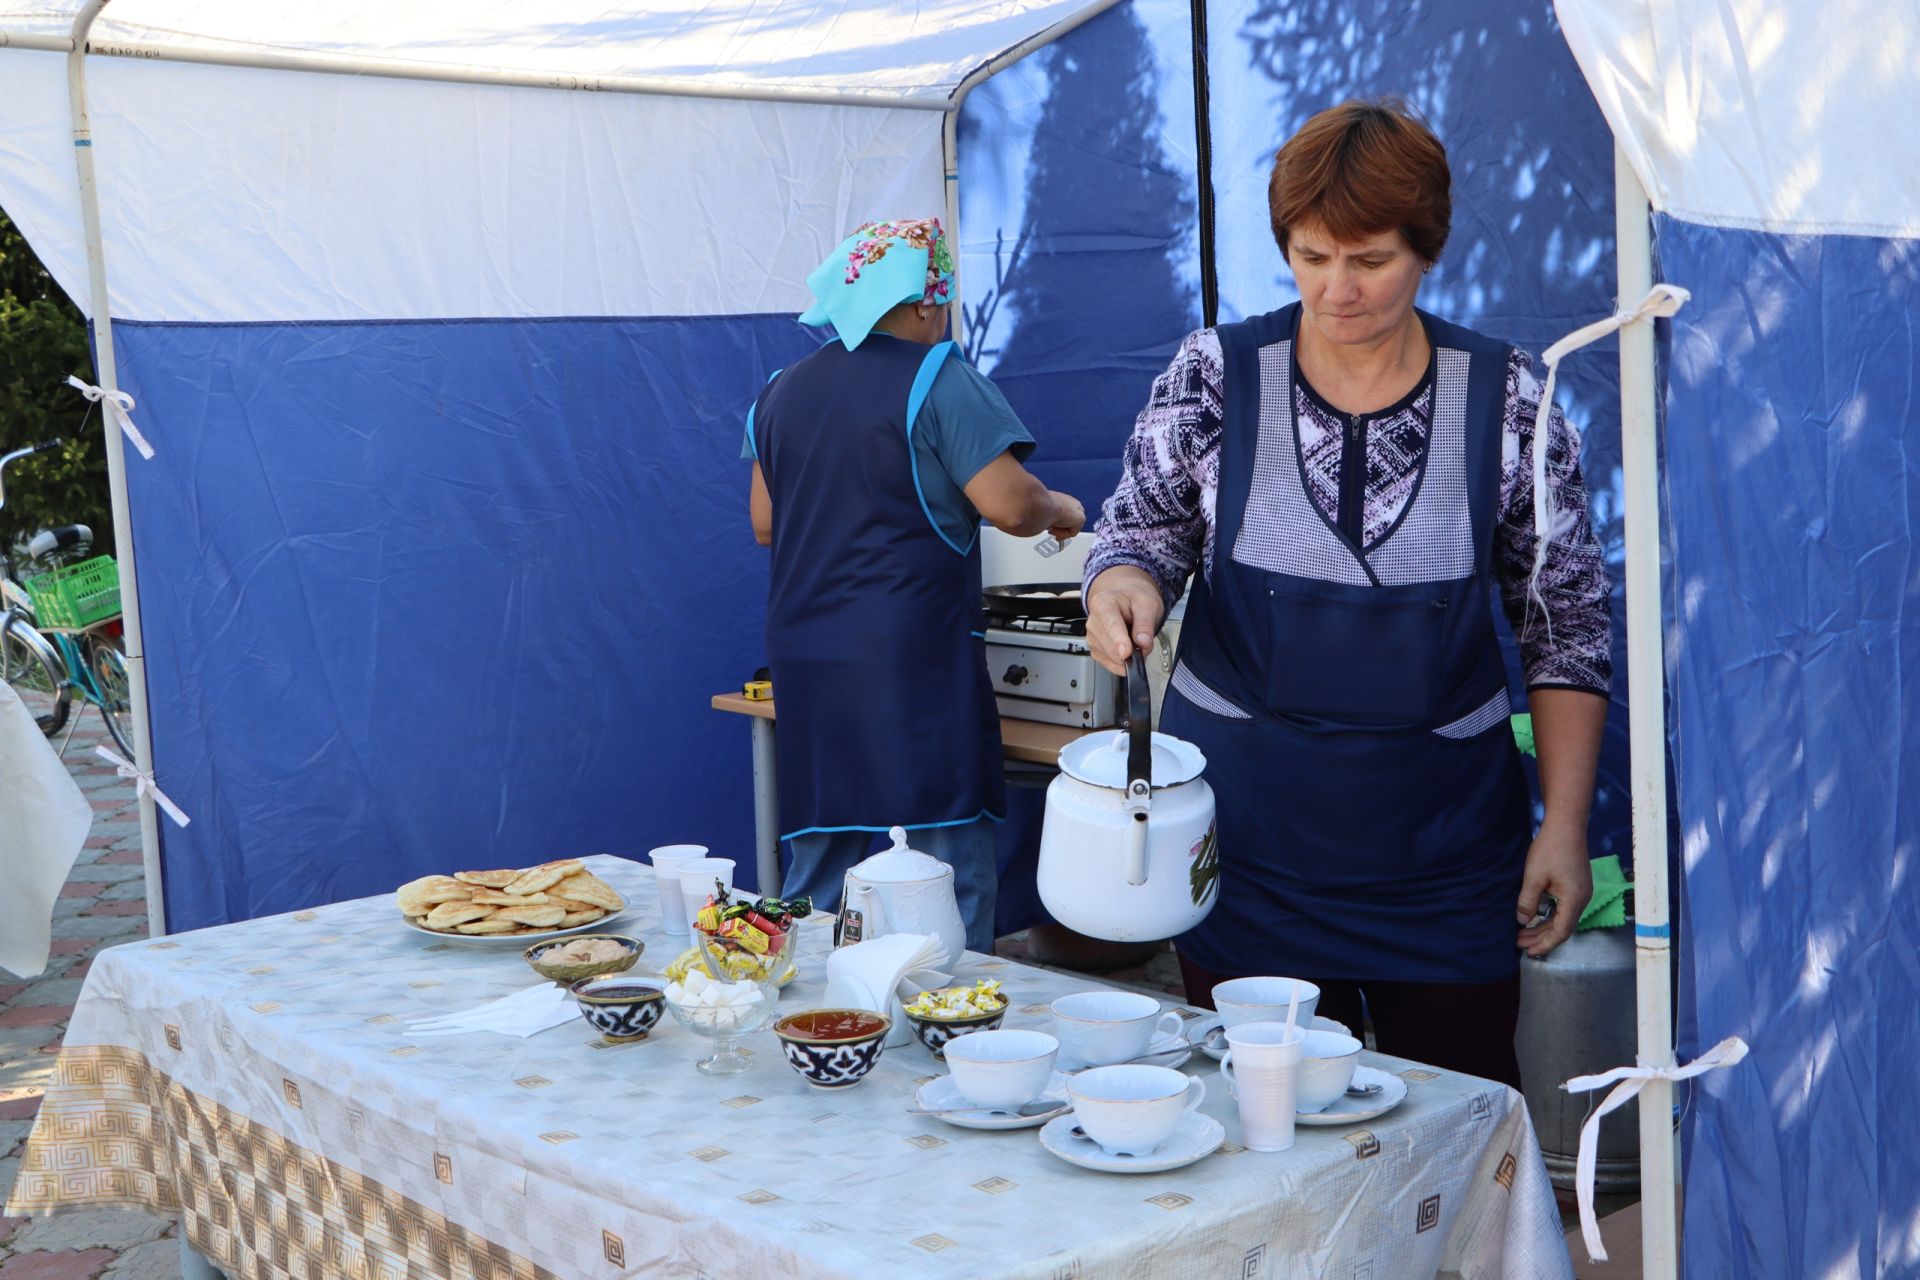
<point>49,666</point>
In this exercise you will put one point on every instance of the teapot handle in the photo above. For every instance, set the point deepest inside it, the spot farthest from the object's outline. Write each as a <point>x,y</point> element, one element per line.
<point>1139,798</point>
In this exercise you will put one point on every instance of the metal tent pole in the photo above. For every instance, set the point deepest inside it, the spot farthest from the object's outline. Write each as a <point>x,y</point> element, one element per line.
<point>103,355</point>
<point>1646,680</point>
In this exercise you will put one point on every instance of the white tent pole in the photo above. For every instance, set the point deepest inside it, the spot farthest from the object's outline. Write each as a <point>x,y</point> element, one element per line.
<point>115,442</point>
<point>399,69</point>
<point>1646,720</point>
<point>950,135</point>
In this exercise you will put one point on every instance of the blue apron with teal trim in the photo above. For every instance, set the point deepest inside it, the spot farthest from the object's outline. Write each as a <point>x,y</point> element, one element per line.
<point>1373,817</point>
<point>884,712</point>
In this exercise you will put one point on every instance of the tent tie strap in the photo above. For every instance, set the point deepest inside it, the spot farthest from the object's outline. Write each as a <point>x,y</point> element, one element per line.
<point>143,784</point>
<point>119,407</point>
<point>1631,1081</point>
<point>1662,301</point>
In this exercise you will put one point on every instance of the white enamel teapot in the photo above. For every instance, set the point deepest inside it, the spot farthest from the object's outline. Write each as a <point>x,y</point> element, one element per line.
<point>1128,852</point>
<point>901,890</point>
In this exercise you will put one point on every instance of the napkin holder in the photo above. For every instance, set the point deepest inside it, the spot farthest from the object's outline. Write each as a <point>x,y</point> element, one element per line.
<point>882,974</point>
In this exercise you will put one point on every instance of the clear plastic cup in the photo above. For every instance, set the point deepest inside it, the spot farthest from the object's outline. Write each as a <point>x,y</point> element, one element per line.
<point>667,861</point>
<point>1262,1068</point>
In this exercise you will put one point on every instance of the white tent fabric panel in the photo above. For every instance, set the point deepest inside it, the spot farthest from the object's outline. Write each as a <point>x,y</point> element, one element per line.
<point>1743,113</point>
<point>243,195</point>
<point>882,48</point>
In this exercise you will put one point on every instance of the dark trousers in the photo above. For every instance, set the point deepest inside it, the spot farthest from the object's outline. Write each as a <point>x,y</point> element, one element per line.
<point>1461,1026</point>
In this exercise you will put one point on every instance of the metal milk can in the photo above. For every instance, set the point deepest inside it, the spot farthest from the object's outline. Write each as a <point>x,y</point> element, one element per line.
<point>1577,1017</point>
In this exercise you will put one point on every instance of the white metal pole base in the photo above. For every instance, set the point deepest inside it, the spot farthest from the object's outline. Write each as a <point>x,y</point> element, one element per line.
<point>766,808</point>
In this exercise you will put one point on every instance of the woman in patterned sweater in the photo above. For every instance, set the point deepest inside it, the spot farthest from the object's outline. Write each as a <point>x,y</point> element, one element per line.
<point>1351,478</point>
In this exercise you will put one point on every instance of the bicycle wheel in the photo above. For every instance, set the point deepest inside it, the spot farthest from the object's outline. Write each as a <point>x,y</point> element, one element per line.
<point>34,670</point>
<point>110,673</point>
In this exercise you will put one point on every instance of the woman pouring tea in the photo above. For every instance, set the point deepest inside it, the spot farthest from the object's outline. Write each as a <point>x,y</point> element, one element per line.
<point>1352,480</point>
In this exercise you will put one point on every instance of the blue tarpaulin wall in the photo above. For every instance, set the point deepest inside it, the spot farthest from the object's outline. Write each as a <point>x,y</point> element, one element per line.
<point>1792,426</point>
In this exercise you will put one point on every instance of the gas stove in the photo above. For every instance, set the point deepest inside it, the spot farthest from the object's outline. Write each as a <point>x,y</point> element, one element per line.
<point>1042,670</point>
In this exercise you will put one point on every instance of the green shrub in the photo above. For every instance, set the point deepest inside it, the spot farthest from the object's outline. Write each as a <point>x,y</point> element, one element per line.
<point>43,339</point>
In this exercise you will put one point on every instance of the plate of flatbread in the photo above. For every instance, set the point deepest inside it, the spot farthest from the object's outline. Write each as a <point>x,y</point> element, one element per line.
<point>511,906</point>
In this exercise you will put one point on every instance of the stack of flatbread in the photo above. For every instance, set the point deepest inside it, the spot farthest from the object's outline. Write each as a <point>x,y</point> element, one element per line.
<point>553,895</point>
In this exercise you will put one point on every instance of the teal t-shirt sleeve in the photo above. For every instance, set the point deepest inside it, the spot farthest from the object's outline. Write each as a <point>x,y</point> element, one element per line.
<point>967,422</point>
<point>747,453</point>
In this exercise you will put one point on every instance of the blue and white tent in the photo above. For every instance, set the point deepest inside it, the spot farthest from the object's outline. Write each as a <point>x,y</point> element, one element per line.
<point>443,319</point>
<point>1779,148</point>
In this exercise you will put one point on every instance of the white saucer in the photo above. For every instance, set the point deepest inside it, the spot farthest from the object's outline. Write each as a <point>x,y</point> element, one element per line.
<point>518,941</point>
<point>1195,1139</point>
<point>1205,1026</point>
<point>1166,1042</point>
<point>941,1092</point>
<point>1347,1109</point>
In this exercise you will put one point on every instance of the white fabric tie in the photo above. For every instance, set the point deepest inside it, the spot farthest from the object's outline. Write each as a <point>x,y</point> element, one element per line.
<point>143,784</point>
<point>1632,1081</point>
<point>119,407</point>
<point>1663,300</point>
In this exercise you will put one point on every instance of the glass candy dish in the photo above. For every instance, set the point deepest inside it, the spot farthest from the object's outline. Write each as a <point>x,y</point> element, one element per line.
<point>712,1001</point>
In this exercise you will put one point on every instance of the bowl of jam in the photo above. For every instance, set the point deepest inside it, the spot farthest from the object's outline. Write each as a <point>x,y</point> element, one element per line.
<point>620,1008</point>
<point>833,1048</point>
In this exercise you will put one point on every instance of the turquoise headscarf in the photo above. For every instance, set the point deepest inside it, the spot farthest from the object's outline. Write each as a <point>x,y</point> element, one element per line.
<point>878,267</point>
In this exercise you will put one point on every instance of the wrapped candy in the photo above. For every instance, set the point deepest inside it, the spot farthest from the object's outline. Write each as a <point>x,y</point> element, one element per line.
<point>959,1002</point>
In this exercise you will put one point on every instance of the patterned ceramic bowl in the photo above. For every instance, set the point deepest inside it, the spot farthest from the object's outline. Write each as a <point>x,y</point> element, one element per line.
<point>935,1032</point>
<point>568,974</point>
<point>833,1048</point>
<point>620,1008</point>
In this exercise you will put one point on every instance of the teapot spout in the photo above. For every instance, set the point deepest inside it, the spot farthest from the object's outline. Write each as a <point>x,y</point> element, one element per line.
<point>1137,849</point>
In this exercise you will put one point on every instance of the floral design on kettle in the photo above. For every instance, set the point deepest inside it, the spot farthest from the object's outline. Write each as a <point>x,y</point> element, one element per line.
<point>1203,877</point>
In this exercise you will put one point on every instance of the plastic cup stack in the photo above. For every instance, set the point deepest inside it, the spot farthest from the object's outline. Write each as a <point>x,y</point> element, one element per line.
<point>1262,1067</point>
<point>667,861</point>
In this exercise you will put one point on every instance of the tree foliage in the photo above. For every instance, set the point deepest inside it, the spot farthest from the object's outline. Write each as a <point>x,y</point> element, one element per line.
<point>43,339</point>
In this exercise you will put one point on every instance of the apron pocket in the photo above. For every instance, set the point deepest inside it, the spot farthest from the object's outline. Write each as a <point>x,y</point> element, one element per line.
<point>1361,655</point>
<point>1201,695</point>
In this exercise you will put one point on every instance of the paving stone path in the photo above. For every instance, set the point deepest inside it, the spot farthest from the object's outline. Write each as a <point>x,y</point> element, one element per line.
<point>102,905</point>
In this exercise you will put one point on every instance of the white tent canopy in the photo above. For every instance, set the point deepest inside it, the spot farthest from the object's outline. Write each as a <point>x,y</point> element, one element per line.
<point>1795,118</point>
<point>238,219</point>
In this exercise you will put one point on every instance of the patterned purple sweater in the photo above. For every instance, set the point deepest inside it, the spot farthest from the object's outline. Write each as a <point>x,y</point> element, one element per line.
<point>1161,518</point>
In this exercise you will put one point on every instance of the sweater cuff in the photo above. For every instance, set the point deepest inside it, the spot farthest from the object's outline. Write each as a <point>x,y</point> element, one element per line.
<point>1106,556</point>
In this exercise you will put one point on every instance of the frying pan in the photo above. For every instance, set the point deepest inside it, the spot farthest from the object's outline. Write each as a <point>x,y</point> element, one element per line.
<point>1009,601</point>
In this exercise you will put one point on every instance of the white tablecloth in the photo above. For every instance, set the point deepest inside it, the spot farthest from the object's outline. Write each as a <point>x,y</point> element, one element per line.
<point>255,1076</point>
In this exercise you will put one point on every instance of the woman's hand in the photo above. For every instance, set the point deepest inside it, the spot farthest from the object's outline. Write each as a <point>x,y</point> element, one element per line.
<point>1069,517</point>
<point>1123,616</point>
<point>1556,864</point>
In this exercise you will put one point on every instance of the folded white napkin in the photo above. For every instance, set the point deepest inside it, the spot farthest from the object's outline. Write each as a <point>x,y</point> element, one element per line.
<point>522,1014</point>
<point>43,822</point>
<point>881,972</point>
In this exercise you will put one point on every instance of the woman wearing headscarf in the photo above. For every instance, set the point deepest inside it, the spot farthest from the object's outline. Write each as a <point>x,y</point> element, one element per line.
<point>1354,481</point>
<point>875,459</point>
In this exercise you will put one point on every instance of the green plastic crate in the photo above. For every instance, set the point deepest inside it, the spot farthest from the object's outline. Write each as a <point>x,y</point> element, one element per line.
<point>76,596</point>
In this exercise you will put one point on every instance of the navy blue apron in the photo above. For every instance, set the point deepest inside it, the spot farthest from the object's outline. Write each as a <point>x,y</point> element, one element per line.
<point>1351,701</point>
<point>886,716</point>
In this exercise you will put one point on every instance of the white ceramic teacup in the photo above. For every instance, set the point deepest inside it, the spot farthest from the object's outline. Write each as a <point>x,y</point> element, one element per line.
<point>1001,1068</point>
<point>1264,1000</point>
<point>667,861</point>
<point>696,876</point>
<point>1326,1069</point>
<point>1130,1110</point>
<point>1097,1028</point>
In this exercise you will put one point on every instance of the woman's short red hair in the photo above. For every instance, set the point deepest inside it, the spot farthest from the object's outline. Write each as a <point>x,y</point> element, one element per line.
<point>1362,168</point>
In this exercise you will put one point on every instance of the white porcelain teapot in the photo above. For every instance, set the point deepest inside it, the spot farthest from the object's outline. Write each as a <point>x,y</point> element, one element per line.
<point>902,890</point>
<point>1128,852</point>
